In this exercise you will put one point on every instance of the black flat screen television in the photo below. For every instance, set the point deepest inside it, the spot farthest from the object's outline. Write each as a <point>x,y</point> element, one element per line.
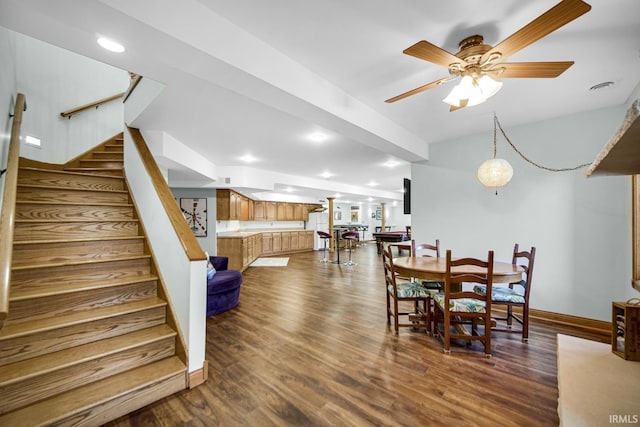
<point>407,196</point>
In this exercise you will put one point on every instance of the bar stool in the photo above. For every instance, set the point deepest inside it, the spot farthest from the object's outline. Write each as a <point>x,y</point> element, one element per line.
<point>351,237</point>
<point>324,236</point>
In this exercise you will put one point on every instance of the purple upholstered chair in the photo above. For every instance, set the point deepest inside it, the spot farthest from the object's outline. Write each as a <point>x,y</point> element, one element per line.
<point>223,289</point>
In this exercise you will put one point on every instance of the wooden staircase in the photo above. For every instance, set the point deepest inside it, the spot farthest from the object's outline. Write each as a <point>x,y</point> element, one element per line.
<point>90,335</point>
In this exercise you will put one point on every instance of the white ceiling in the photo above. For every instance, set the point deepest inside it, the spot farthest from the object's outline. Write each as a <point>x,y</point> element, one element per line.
<point>257,77</point>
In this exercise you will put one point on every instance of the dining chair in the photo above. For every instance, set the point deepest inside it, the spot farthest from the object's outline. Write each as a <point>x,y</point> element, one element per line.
<point>427,250</point>
<point>457,308</point>
<point>431,250</point>
<point>516,294</point>
<point>401,291</point>
<point>401,249</point>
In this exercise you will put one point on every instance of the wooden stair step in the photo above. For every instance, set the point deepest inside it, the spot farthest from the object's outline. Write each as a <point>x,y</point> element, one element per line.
<point>108,155</point>
<point>24,340</point>
<point>114,147</point>
<point>19,294</point>
<point>81,274</point>
<point>49,210</point>
<point>98,171</point>
<point>117,171</point>
<point>32,380</point>
<point>99,163</point>
<point>105,400</point>
<point>81,262</point>
<point>61,304</point>
<point>72,195</point>
<point>40,230</point>
<point>25,253</point>
<point>67,179</point>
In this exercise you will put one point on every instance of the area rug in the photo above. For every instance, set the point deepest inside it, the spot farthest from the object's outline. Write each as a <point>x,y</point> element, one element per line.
<point>596,387</point>
<point>270,262</point>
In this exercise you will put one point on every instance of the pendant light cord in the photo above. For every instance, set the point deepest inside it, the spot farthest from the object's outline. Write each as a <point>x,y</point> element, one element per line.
<point>496,124</point>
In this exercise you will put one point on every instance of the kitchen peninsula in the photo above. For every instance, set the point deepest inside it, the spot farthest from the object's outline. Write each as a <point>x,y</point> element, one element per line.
<point>243,247</point>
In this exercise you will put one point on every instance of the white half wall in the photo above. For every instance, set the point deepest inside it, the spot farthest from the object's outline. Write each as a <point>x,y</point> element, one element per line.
<point>581,227</point>
<point>186,281</point>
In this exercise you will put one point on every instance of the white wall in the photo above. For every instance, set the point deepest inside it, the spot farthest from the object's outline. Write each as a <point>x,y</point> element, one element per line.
<point>54,80</point>
<point>581,227</point>
<point>7,95</point>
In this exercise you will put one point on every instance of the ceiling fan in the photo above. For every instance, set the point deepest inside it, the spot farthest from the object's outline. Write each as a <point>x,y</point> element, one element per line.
<point>480,67</point>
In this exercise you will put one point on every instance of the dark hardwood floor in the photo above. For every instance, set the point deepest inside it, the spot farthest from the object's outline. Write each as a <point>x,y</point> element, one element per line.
<point>309,345</point>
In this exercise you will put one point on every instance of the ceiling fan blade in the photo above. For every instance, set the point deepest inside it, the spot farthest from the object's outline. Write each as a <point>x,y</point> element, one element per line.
<point>556,17</point>
<point>419,89</point>
<point>531,69</point>
<point>432,53</point>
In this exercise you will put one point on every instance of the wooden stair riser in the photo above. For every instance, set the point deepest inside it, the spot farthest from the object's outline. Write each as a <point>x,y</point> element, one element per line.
<point>30,210</point>
<point>73,230</point>
<point>98,171</point>
<point>36,388</point>
<point>68,303</point>
<point>28,254</point>
<point>114,147</point>
<point>98,163</point>
<point>86,197</point>
<point>60,179</point>
<point>22,347</point>
<point>108,155</point>
<point>80,274</point>
<point>115,396</point>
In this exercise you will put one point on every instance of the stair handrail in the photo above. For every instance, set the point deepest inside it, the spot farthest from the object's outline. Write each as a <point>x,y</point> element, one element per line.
<point>135,79</point>
<point>95,104</point>
<point>188,241</point>
<point>7,216</point>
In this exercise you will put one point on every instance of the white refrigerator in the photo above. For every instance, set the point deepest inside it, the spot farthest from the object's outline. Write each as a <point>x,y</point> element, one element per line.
<point>318,221</point>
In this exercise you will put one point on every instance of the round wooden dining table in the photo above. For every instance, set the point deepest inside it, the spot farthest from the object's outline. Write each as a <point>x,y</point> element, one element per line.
<point>432,268</point>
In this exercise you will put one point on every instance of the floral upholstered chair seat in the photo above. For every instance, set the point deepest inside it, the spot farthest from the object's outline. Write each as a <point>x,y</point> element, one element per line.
<point>411,290</point>
<point>461,305</point>
<point>501,293</point>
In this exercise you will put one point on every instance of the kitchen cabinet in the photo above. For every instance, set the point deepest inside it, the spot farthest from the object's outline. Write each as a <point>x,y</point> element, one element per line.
<point>243,248</point>
<point>231,205</point>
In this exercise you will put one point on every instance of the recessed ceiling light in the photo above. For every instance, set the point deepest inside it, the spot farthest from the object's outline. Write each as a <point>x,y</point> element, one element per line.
<point>372,184</point>
<point>326,174</point>
<point>248,158</point>
<point>391,164</point>
<point>110,45</point>
<point>289,190</point>
<point>318,137</point>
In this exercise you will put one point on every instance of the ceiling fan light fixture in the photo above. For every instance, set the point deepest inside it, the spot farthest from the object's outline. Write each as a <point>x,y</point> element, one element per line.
<point>475,90</point>
<point>489,86</point>
<point>467,89</point>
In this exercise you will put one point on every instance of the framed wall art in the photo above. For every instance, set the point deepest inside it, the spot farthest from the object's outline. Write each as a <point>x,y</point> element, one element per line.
<point>195,212</point>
